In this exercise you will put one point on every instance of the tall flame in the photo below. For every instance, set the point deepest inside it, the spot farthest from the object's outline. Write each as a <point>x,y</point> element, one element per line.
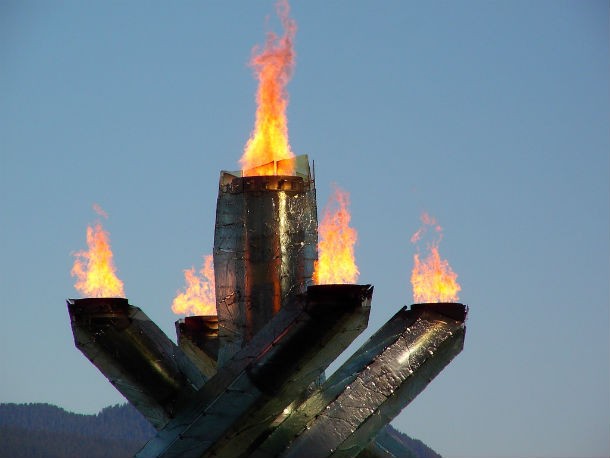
<point>432,278</point>
<point>273,67</point>
<point>94,269</point>
<point>336,261</point>
<point>198,296</point>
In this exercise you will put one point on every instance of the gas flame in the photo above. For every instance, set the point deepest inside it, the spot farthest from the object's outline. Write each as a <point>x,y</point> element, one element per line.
<point>432,278</point>
<point>198,297</point>
<point>94,269</point>
<point>336,262</point>
<point>273,67</point>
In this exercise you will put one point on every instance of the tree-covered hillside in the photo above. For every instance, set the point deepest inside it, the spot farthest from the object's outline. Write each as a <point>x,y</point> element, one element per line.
<point>43,430</point>
<point>47,431</point>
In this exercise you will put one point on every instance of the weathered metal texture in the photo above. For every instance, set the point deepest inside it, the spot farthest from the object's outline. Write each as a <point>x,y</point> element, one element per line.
<point>233,412</point>
<point>198,338</point>
<point>373,386</point>
<point>135,355</point>
<point>265,244</point>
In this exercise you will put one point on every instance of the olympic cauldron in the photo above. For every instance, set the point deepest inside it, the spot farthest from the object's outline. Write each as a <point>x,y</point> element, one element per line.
<point>250,381</point>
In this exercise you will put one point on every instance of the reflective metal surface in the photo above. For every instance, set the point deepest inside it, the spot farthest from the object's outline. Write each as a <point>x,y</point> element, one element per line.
<point>198,338</point>
<point>265,244</point>
<point>231,414</point>
<point>373,386</point>
<point>135,355</point>
<point>250,382</point>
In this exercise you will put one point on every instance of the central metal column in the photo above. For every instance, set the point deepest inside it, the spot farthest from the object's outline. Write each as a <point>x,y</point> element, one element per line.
<point>265,244</point>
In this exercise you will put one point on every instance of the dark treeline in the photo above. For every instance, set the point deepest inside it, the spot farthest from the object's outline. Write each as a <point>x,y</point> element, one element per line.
<point>47,431</point>
<point>415,447</point>
<point>43,430</point>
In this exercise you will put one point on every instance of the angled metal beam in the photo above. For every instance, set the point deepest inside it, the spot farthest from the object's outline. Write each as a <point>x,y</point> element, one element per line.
<point>373,386</point>
<point>135,355</point>
<point>198,338</point>
<point>235,409</point>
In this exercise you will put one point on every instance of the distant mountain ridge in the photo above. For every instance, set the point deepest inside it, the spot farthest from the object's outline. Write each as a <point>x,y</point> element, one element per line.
<point>48,431</point>
<point>44,430</point>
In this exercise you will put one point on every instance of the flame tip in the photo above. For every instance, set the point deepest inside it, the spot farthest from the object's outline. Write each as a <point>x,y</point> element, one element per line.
<point>432,278</point>
<point>198,295</point>
<point>273,64</point>
<point>336,263</point>
<point>94,268</point>
<point>100,211</point>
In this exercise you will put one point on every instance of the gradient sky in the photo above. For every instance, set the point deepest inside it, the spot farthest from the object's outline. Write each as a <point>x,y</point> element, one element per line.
<point>491,116</point>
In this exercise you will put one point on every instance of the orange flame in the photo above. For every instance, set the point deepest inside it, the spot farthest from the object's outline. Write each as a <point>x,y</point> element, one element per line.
<point>198,297</point>
<point>336,262</point>
<point>432,278</point>
<point>94,269</point>
<point>273,67</point>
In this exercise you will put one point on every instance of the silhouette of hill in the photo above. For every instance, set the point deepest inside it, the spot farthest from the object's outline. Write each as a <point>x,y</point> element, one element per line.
<point>48,431</point>
<point>44,430</point>
<point>397,442</point>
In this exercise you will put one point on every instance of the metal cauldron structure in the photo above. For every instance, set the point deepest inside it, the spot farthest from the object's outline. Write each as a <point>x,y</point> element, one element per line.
<point>250,381</point>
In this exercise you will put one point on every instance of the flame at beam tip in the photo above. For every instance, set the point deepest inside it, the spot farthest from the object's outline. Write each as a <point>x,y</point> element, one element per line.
<point>198,296</point>
<point>432,278</point>
<point>336,262</point>
<point>94,269</point>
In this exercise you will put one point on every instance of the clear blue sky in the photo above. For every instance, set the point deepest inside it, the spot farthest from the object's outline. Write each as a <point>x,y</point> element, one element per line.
<point>491,116</point>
